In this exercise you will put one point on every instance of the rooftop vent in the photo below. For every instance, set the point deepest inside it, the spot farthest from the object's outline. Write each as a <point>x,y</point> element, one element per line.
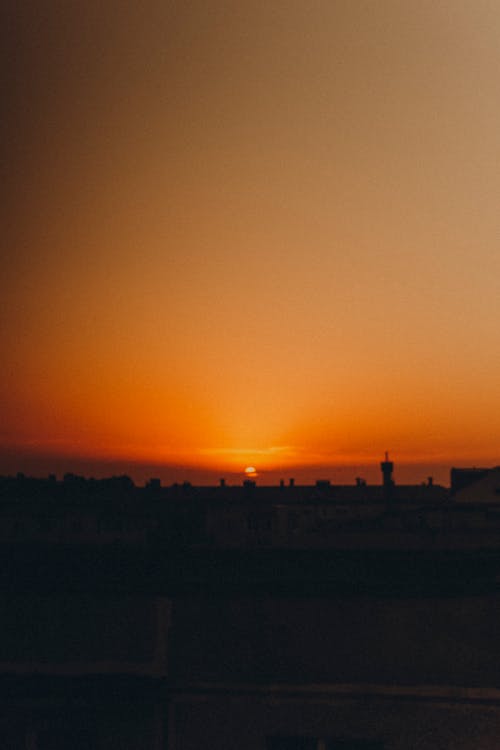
<point>323,483</point>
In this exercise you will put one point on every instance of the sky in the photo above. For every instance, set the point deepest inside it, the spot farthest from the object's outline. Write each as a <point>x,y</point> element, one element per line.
<point>250,233</point>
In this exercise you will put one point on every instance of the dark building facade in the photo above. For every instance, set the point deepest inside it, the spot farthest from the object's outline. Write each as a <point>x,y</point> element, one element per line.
<point>283,618</point>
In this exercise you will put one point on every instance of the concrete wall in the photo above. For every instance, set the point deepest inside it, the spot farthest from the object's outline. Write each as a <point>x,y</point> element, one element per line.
<point>205,723</point>
<point>83,634</point>
<point>407,641</point>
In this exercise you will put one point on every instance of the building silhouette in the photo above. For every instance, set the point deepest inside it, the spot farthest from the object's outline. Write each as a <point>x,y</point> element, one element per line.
<point>323,617</point>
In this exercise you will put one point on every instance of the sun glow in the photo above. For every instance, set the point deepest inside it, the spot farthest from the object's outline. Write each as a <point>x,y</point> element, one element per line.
<point>130,340</point>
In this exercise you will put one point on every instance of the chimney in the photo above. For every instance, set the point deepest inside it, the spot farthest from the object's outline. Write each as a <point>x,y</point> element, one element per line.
<point>323,483</point>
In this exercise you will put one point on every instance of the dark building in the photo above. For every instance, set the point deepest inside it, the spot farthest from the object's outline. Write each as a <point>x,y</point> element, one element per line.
<point>265,618</point>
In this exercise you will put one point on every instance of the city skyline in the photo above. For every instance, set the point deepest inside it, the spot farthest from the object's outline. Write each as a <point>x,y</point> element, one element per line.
<point>257,235</point>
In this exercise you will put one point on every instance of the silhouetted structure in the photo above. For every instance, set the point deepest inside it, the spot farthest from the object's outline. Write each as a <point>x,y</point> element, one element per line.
<point>387,469</point>
<point>263,618</point>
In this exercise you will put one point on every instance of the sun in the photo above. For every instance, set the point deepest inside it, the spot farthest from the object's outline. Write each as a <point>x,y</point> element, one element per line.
<point>250,471</point>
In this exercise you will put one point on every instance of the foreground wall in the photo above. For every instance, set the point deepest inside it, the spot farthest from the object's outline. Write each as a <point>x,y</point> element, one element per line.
<point>83,670</point>
<point>330,720</point>
<point>338,672</point>
<point>265,651</point>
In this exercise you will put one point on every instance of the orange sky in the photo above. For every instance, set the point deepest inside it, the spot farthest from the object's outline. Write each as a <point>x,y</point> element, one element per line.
<point>250,234</point>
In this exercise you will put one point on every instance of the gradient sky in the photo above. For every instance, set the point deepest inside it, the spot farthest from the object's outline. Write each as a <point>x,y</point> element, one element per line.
<point>260,233</point>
